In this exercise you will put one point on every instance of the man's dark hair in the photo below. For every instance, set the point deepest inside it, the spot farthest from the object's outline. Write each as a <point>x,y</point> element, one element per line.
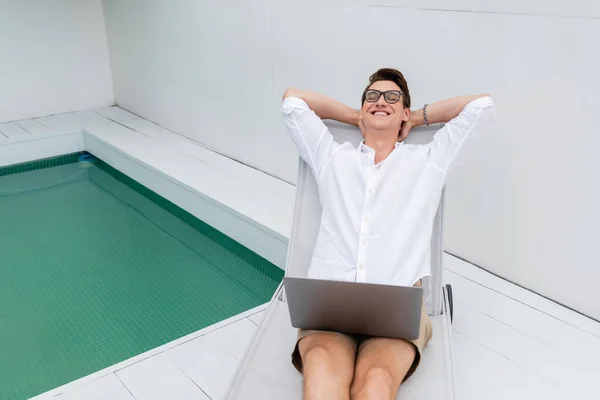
<point>390,74</point>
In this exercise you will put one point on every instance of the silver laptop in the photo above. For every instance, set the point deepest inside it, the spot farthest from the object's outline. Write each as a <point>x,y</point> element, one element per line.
<point>355,308</point>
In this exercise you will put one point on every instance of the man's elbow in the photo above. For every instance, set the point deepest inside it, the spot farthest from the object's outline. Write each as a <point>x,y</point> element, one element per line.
<point>290,92</point>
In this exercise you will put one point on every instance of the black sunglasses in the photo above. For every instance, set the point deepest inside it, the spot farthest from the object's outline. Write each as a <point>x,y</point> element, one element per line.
<point>391,96</point>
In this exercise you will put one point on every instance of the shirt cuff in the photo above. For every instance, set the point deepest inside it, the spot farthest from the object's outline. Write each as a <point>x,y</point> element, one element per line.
<point>290,104</point>
<point>482,102</point>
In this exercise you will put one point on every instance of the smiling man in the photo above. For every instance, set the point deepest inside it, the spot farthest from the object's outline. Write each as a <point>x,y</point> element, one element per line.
<point>379,202</point>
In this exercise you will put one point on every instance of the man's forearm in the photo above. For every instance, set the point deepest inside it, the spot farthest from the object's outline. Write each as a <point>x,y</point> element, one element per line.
<point>442,111</point>
<point>325,107</point>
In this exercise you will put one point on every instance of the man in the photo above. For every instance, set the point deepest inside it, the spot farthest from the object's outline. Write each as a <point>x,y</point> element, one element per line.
<point>379,202</point>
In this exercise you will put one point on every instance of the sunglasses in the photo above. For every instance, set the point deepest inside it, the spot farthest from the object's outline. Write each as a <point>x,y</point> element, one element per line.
<point>391,96</point>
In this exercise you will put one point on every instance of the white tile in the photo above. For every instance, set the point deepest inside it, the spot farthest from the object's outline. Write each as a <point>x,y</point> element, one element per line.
<point>47,397</point>
<point>69,119</point>
<point>524,296</point>
<point>538,358</point>
<point>234,337</point>
<point>468,389</point>
<point>208,364</point>
<point>33,127</point>
<point>258,317</point>
<point>580,344</point>
<point>55,124</point>
<point>12,130</point>
<point>85,120</point>
<point>504,378</point>
<point>90,118</point>
<point>158,378</point>
<point>500,338</point>
<point>22,150</point>
<point>117,114</point>
<point>107,387</point>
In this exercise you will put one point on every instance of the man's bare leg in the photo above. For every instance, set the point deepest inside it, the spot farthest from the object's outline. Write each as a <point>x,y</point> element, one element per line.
<point>328,365</point>
<point>381,366</point>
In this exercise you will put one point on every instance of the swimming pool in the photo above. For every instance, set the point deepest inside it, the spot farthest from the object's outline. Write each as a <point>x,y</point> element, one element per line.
<point>95,269</point>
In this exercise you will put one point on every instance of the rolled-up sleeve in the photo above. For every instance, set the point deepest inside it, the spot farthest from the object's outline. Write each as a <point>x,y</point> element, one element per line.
<point>475,118</point>
<point>312,138</point>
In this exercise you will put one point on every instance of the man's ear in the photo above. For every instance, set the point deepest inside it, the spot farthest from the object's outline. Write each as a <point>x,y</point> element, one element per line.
<point>406,114</point>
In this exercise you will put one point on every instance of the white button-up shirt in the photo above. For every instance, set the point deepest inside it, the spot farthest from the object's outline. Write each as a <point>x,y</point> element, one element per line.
<point>377,219</point>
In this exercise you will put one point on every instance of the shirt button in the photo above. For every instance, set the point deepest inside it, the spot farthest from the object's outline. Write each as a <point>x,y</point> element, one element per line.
<point>360,267</point>
<point>366,219</point>
<point>370,191</point>
<point>364,242</point>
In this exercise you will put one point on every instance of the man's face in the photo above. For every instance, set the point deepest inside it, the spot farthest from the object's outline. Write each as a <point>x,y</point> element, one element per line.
<point>382,115</point>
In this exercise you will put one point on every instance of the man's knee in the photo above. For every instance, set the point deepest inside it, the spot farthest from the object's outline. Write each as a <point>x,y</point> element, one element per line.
<point>318,353</point>
<point>328,369</point>
<point>326,346</point>
<point>375,383</point>
<point>320,356</point>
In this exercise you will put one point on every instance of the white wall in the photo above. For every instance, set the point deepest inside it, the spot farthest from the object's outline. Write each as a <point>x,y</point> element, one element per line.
<point>53,57</point>
<point>521,205</point>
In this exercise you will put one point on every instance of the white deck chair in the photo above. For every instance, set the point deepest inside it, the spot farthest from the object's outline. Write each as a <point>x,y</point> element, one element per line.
<point>266,371</point>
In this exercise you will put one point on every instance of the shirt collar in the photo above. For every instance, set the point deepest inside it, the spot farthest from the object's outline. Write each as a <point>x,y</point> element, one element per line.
<point>363,148</point>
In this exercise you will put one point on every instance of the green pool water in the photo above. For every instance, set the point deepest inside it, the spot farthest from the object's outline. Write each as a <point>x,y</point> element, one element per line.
<point>95,269</point>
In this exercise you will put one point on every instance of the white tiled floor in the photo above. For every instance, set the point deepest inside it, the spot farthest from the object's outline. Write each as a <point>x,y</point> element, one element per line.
<point>158,378</point>
<point>207,362</point>
<point>515,349</point>
<point>257,318</point>
<point>107,387</point>
<point>503,349</point>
